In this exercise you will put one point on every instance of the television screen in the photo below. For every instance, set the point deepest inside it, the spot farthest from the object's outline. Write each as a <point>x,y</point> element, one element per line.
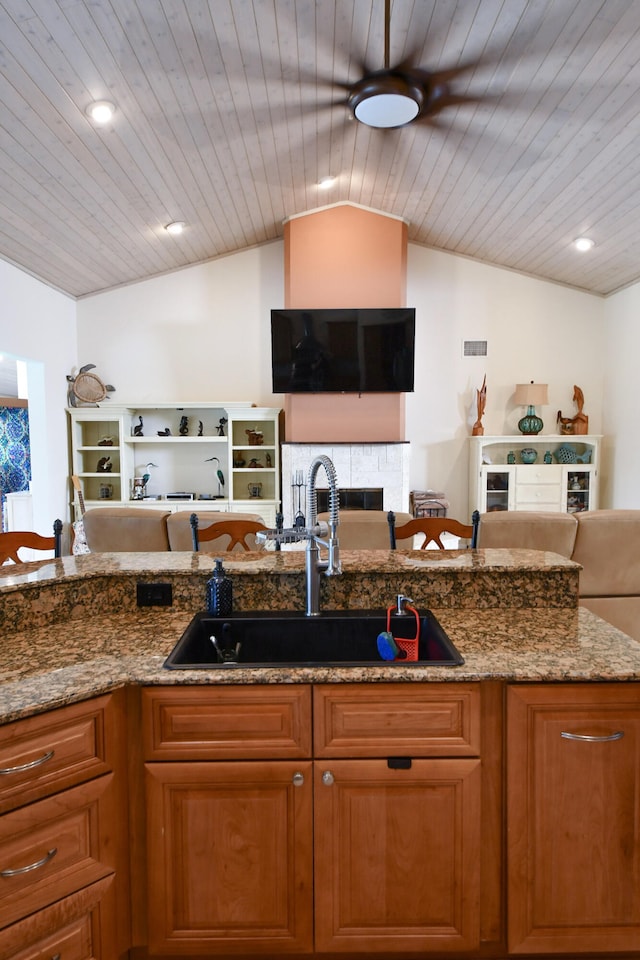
<point>343,351</point>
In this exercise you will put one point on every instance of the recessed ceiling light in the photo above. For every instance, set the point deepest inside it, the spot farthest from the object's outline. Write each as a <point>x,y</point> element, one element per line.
<point>175,227</point>
<point>583,244</point>
<point>326,182</point>
<point>100,111</point>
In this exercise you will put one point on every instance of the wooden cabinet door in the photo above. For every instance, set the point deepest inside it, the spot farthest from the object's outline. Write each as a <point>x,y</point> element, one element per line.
<point>397,854</point>
<point>230,857</point>
<point>573,808</point>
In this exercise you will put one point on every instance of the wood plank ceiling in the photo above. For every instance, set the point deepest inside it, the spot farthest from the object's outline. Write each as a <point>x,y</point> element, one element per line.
<point>230,111</point>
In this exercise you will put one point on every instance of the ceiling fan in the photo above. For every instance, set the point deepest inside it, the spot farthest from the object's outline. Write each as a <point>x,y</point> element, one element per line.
<point>400,95</point>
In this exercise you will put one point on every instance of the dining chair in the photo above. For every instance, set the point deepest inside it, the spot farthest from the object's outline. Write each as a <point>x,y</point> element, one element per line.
<point>236,530</point>
<point>433,528</point>
<point>14,540</point>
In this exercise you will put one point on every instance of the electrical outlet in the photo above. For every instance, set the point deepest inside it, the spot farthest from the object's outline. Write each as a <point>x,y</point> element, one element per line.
<point>154,595</point>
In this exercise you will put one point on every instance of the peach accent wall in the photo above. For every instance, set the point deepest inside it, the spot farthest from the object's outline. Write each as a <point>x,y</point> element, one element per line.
<point>345,256</point>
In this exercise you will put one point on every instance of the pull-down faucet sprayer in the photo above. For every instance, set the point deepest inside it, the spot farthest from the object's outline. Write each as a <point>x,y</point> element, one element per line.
<point>313,564</point>
<point>315,535</point>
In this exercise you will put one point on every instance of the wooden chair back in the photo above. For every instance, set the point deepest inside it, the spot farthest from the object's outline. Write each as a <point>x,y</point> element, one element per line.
<point>433,528</point>
<point>236,530</point>
<point>14,540</point>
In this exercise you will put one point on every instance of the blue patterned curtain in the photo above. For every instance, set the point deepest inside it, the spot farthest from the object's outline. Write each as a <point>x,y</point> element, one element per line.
<point>15,459</point>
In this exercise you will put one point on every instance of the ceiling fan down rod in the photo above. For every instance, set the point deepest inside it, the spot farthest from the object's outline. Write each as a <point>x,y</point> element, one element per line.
<point>387,22</point>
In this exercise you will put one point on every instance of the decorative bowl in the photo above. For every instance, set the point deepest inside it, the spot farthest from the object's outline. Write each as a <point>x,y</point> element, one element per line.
<point>528,455</point>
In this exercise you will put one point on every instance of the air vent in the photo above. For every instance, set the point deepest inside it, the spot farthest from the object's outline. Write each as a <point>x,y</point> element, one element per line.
<point>474,348</point>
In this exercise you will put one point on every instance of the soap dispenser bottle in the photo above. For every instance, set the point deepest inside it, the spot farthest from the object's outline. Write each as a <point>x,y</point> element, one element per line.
<point>219,592</point>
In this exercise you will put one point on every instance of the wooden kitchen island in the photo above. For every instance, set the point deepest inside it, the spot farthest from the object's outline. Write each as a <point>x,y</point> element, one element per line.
<point>484,810</point>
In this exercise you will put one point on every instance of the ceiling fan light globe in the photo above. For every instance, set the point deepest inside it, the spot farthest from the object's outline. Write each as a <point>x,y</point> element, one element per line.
<point>385,100</point>
<point>386,110</point>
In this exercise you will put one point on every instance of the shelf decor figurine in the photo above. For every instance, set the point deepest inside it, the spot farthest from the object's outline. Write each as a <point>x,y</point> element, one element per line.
<point>531,395</point>
<point>220,477</point>
<point>578,425</point>
<point>481,402</point>
<point>528,455</point>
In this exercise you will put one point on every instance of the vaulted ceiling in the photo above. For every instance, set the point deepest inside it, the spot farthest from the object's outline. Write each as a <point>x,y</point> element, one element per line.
<point>228,113</point>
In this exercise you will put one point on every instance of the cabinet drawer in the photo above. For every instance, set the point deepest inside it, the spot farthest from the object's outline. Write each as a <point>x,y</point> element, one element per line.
<point>226,723</point>
<point>69,929</point>
<point>397,720</point>
<point>539,473</point>
<point>52,848</point>
<point>538,493</point>
<point>52,751</point>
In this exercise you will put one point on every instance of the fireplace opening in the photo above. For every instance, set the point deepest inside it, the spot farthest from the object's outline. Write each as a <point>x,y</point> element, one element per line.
<point>358,498</point>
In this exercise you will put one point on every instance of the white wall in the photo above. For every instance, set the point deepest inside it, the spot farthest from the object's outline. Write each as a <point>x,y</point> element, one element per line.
<point>38,324</point>
<point>621,468</point>
<point>203,334</point>
<point>535,331</point>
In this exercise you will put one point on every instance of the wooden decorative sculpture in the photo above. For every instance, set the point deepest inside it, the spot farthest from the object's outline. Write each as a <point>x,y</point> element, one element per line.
<point>481,401</point>
<point>578,425</point>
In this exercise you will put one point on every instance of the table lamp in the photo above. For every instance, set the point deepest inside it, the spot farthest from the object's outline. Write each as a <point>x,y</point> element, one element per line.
<point>530,395</point>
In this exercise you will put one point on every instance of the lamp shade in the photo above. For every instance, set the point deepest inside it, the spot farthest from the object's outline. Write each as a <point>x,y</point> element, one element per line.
<point>531,394</point>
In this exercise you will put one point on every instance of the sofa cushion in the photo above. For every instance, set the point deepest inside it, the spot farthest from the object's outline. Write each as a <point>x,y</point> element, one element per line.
<point>117,529</point>
<point>608,547</point>
<point>529,530</point>
<point>179,529</point>
<point>365,529</point>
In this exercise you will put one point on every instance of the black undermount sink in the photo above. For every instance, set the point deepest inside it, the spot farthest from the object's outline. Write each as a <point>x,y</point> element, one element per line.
<point>289,639</point>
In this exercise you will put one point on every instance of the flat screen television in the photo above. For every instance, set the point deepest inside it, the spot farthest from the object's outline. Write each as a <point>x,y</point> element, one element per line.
<point>343,350</point>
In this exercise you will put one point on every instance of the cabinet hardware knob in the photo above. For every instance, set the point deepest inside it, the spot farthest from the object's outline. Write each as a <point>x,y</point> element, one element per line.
<point>27,766</point>
<point>298,779</point>
<point>327,778</point>
<point>618,735</point>
<point>31,866</point>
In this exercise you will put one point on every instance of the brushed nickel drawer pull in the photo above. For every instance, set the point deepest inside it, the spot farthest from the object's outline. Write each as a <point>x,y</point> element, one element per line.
<point>618,735</point>
<point>27,766</point>
<point>32,866</point>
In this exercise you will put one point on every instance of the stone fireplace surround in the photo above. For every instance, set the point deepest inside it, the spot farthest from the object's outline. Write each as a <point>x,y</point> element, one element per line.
<point>358,466</point>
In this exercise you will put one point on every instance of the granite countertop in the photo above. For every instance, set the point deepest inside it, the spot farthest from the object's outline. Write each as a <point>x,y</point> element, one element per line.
<point>72,643</point>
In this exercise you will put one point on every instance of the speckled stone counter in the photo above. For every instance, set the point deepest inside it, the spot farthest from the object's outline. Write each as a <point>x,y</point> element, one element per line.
<point>71,627</point>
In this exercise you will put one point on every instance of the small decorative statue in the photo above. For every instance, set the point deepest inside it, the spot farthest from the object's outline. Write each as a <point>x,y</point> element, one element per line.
<point>220,427</point>
<point>164,433</point>
<point>104,465</point>
<point>184,427</point>
<point>481,402</point>
<point>200,428</point>
<point>219,475</point>
<point>137,431</point>
<point>578,425</point>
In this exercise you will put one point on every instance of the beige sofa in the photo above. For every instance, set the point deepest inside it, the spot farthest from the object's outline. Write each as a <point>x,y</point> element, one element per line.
<point>365,529</point>
<point>606,543</point>
<point>142,529</point>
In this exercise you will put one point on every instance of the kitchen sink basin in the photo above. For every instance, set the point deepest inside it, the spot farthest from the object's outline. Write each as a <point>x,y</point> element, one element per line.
<point>288,639</point>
